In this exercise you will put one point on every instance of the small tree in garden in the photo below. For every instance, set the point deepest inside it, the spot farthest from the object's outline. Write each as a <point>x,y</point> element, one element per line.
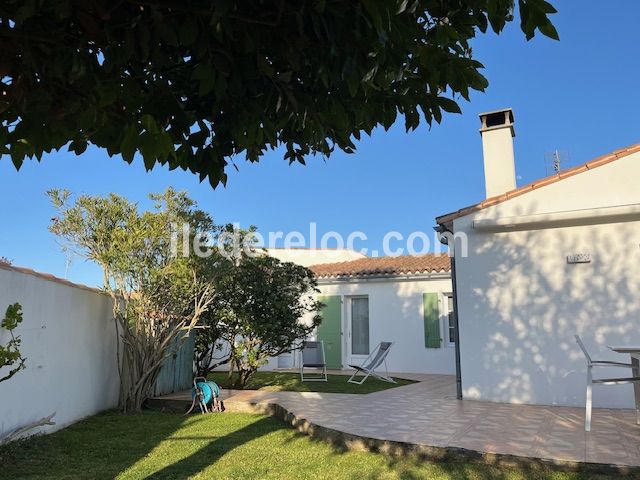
<point>10,356</point>
<point>211,350</point>
<point>158,297</point>
<point>261,312</point>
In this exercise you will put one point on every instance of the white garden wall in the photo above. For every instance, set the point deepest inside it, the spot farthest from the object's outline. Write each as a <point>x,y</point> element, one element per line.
<point>69,341</point>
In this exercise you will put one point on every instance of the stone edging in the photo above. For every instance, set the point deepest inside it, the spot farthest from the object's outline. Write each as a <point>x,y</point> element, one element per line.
<point>352,442</point>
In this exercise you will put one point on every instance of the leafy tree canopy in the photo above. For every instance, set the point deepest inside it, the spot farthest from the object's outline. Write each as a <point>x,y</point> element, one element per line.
<point>158,296</point>
<point>263,308</point>
<point>191,83</point>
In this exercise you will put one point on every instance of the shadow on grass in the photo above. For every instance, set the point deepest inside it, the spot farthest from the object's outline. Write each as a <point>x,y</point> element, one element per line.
<point>101,446</point>
<point>162,446</point>
<point>198,461</point>
<point>110,444</point>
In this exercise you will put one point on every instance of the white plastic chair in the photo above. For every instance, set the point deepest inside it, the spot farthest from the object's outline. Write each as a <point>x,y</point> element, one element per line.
<point>600,381</point>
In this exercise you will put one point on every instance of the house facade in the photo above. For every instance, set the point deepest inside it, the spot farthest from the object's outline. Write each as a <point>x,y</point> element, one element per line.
<point>406,300</point>
<point>535,265</point>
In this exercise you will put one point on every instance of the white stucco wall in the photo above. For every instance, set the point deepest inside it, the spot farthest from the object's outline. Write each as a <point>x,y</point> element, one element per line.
<point>520,302</point>
<point>396,315</point>
<point>69,341</point>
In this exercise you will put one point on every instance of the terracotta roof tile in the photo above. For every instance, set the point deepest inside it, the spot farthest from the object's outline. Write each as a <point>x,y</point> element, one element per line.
<point>385,266</point>
<point>596,162</point>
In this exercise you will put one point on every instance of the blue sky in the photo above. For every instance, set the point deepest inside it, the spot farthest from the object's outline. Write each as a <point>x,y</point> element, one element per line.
<point>580,95</point>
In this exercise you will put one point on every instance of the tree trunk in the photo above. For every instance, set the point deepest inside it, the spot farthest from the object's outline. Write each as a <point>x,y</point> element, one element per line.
<point>143,360</point>
<point>244,377</point>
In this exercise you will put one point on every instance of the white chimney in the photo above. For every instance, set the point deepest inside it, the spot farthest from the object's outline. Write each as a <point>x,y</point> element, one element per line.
<point>497,148</point>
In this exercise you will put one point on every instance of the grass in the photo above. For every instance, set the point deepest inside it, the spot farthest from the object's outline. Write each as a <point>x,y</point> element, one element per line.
<point>219,446</point>
<point>282,381</point>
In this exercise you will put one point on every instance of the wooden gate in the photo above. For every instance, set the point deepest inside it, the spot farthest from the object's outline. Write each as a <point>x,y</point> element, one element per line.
<point>177,372</point>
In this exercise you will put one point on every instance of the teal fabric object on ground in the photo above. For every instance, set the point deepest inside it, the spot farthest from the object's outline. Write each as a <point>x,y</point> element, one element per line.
<point>210,390</point>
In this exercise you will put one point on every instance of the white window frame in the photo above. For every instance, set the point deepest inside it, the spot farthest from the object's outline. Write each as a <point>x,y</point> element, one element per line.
<point>447,340</point>
<point>349,351</point>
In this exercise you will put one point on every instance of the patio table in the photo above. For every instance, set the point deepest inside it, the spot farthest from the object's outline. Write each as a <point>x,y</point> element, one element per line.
<point>634,353</point>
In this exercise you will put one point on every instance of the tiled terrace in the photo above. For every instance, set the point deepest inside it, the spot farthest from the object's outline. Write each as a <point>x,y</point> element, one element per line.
<point>427,413</point>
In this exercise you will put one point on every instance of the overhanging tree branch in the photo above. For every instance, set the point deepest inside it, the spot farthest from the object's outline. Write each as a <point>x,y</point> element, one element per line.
<point>249,71</point>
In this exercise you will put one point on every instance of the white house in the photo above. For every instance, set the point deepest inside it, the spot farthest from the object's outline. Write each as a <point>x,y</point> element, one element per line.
<point>406,300</point>
<point>545,261</point>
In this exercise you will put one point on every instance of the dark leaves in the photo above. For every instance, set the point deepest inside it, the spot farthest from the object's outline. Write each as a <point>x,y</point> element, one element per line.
<point>534,15</point>
<point>192,83</point>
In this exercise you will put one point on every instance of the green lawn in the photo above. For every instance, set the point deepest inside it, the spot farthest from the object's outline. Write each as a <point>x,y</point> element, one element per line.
<point>217,446</point>
<point>281,381</point>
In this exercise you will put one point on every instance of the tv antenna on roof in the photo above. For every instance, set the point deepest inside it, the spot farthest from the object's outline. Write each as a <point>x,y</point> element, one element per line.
<point>556,161</point>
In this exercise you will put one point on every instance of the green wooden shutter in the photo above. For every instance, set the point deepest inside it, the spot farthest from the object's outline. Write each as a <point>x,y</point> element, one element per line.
<point>432,338</point>
<point>330,330</point>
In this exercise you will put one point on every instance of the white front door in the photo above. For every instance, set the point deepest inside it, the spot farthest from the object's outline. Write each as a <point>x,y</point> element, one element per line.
<point>357,315</point>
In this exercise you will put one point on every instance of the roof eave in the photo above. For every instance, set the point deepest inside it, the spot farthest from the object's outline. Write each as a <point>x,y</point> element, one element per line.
<point>388,277</point>
<point>590,165</point>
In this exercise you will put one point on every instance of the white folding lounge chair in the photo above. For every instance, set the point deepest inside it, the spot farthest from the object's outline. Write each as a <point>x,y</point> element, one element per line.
<point>600,381</point>
<point>313,357</point>
<point>373,361</point>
